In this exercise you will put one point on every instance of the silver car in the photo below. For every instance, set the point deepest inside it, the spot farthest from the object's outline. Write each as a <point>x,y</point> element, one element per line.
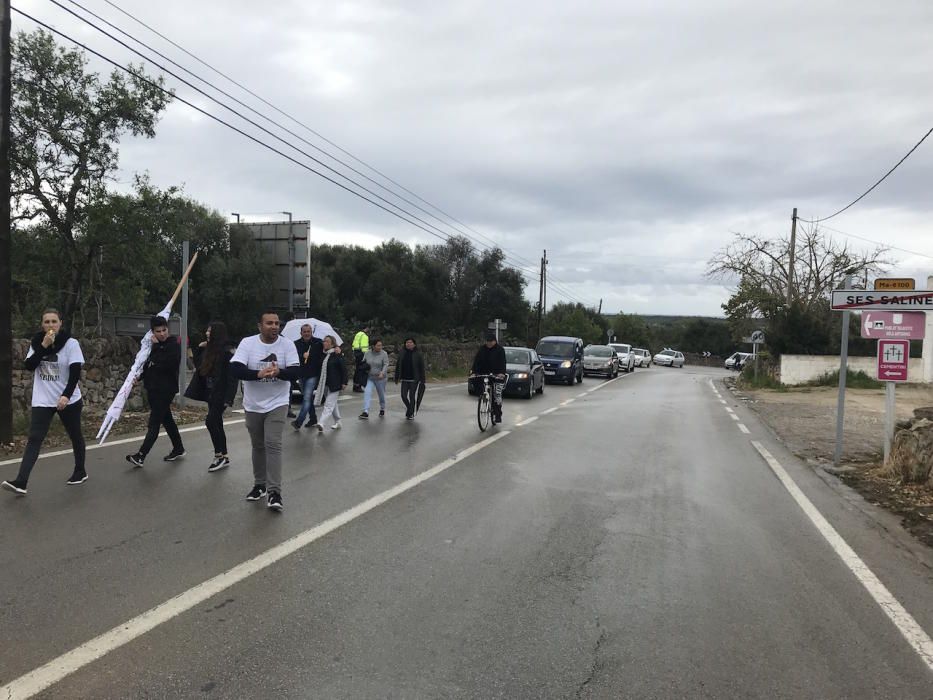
<point>669,358</point>
<point>600,359</point>
<point>627,358</point>
<point>642,357</point>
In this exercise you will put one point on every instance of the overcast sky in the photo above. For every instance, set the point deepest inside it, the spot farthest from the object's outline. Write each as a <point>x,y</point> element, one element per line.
<point>629,139</point>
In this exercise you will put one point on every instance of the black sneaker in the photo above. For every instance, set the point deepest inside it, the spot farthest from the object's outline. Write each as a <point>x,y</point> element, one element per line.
<point>275,501</point>
<point>296,425</point>
<point>320,428</point>
<point>77,478</point>
<point>364,416</point>
<point>136,460</point>
<point>17,487</point>
<point>173,455</point>
<point>259,490</point>
<point>382,414</point>
<point>291,414</point>
<point>218,464</point>
<point>311,423</point>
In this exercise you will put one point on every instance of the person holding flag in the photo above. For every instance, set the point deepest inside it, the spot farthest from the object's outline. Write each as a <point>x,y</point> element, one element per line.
<point>360,348</point>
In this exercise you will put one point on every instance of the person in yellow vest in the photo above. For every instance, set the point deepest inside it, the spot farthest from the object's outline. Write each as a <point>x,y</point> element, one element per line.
<point>360,348</point>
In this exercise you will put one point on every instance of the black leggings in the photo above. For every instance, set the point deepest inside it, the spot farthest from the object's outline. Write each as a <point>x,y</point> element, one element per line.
<point>215,426</point>
<point>160,415</point>
<point>409,395</point>
<point>39,424</point>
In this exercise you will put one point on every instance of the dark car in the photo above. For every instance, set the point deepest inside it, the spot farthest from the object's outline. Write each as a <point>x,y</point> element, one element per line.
<point>562,357</point>
<point>526,372</point>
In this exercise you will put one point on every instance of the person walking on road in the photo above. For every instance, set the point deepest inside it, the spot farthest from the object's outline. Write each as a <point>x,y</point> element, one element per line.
<point>266,363</point>
<point>333,380</point>
<point>490,359</point>
<point>160,379</point>
<point>55,359</point>
<point>360,348</point>
<point>217,387</point>
<point>310,356</point>
<point>410,371</point>
<point>378,361</point>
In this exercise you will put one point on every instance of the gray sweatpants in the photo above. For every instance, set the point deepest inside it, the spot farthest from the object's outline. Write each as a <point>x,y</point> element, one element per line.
<point>265,435</point>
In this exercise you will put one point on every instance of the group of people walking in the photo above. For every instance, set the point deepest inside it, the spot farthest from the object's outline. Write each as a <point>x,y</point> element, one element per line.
<point>266,364</point>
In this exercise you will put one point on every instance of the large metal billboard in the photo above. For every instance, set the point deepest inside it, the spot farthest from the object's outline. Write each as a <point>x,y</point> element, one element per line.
<point>287,245</point>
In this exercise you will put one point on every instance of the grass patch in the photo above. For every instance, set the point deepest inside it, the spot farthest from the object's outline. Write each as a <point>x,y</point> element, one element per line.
<point>449,373</point>
<point>854,380</point>
<point>748,380</point>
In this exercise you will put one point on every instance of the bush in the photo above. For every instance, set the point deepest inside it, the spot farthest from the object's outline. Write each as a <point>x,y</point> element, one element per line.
<point>765,378</point>
<point>854,380</point>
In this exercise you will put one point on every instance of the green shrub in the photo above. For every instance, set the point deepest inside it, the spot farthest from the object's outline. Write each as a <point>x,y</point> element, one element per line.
<point>854,380</point>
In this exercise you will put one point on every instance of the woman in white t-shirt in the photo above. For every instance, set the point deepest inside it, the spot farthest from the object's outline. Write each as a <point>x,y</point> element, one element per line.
<point>56,359</point>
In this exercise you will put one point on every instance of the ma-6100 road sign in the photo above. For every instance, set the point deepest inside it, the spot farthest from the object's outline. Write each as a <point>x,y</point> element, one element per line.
<point>859,300</point>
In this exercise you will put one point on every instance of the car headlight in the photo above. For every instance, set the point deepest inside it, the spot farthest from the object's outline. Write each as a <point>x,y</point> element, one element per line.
<point>566,364</point>
<point>607,364</point>
<point>520,375</point>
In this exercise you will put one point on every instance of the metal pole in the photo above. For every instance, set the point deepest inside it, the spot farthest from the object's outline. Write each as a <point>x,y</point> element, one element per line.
<point>183,339</point>
<point>926,358</point>
<point>233,213</point>
<point>889,406</point>
<point>793,256</point>
<point>843,368</point>
<point>291,263</point>
<point>6,235</point>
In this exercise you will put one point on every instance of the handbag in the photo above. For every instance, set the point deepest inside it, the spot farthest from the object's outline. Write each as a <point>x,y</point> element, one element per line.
<point>197,388</point>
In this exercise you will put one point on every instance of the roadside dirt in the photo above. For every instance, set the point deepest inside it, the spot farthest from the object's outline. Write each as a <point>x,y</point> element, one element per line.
<point>805,419</point>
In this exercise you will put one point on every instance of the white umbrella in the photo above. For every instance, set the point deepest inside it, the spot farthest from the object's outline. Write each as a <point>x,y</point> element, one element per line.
<point>319,329</point>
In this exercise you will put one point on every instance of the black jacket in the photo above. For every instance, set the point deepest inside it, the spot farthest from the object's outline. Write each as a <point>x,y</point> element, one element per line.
<point>220,385</point>
<point>336,377</point>
<point>417,364</point>
<point>160,373</point>
<point>40,353</point>
<point>315,350</point>
<point>489,360</point>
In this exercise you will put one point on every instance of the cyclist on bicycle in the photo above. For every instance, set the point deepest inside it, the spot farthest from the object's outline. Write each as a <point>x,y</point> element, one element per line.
<point>490,359</point>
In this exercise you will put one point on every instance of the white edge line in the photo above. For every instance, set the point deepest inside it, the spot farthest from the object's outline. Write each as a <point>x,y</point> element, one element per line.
<point>550,410</point>
<point>567,402</point>
<point>729,410</point>
<point>532,419</point>
<point>734,417</point>
<point>903,620</point>
<point>744,429</point>
<point>723,402</point>
<point>58,668</point>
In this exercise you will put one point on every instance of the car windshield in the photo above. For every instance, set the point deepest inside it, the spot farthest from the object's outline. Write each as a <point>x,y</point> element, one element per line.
<point>514,356</point>
<point>666,352</point>
<point>621,348</point>
<point>555,349</point>
<point>598,351</point>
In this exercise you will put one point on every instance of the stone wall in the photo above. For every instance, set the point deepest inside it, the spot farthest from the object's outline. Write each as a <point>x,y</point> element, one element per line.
<point>800,369</point>
<point>107,361</point>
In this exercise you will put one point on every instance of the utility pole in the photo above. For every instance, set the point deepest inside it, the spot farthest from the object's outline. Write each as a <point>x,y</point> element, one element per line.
<point>544,285</point>
<point>793,256</point>
<point>541,296</point>
<point>6,235</point>
<point>600,310</point>
<point>291,262</point>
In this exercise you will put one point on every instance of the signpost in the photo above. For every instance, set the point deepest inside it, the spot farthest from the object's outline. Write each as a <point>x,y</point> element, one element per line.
<point>889,324</point>
<point>610,334</point>
<point>893,358</point>
<point>497,325</point>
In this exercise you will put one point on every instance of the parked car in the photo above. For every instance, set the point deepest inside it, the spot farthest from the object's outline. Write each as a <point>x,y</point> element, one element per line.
<point>737,360</point>
<point>600,359</point>
<point>642,357</point>
<point>627,359</point>
<point>562,357</point>
<point>669,358</point>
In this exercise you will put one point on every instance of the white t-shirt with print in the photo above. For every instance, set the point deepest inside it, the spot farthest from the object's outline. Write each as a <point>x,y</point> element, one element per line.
<point>264,395</point>
<point>51,376</point>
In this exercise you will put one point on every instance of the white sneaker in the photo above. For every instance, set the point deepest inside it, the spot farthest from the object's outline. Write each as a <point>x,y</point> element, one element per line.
<point>337,426</point>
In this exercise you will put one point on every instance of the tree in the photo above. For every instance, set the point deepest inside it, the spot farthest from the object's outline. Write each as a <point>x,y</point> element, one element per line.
<point>66,124</point>
<point>574,320</point>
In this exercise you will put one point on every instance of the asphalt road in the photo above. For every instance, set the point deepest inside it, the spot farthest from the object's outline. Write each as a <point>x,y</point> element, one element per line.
<point>631,543</point>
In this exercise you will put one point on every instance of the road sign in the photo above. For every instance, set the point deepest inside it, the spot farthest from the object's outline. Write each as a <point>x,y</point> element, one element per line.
<point>758,337</point>
<point>862,300</point>
<point>888,324</point>
<point>895,284</point>
<point>893,357</point>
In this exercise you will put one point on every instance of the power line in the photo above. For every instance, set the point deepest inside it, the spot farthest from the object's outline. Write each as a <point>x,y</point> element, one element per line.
<point>402,216</point>
<point>562,290</point>
<point>871,240</point>
<point>866,192</point>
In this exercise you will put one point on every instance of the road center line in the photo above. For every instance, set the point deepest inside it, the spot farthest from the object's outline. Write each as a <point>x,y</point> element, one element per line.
<point>567,402</point>
<point>903,620</point>
<point>550,410</point>
<point>532,419</point>
<point>55,670</point>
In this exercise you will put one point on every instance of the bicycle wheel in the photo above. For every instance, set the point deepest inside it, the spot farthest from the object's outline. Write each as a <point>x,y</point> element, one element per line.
<point>482,411</point>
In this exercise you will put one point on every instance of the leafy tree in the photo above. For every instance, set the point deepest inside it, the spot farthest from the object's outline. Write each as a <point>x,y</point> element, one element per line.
<point>573,320</point>
<point>66,124</point>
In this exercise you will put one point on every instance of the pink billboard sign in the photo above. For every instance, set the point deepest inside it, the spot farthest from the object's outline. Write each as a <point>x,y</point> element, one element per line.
<point>893,324</point>
<point>893,356</point>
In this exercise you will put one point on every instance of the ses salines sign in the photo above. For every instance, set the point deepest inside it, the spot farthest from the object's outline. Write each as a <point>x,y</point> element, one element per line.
<point>868,300</point>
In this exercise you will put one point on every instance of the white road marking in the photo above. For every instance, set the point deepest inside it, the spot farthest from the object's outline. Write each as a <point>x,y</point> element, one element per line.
<point>723,402</point>
<point>734,417</point>
<point>55,670</point>
<point>550,410</point>
<point>744,429</point>
<point>527,421</point>
<point>903,620</point>
<point>113,443</point>
<point>567,402</point>
<point>729,410</point>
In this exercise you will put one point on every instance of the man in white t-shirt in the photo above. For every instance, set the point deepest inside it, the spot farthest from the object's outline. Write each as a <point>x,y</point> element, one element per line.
<point>266,363</point>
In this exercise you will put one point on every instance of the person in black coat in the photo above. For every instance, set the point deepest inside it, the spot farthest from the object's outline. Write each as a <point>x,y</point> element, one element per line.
<point>310,355</point>
<point>215,385</point>
<point>160,379</point>
<point>490,359</point>
<point>334,377</point>
<point>410,371</point>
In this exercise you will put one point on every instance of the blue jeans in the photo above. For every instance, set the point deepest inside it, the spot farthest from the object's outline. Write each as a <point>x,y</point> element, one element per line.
<point>380,385</point>
<point>307,401</point>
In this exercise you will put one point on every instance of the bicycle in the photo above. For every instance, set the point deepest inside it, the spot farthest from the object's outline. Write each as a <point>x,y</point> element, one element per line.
<point>486,400</point>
